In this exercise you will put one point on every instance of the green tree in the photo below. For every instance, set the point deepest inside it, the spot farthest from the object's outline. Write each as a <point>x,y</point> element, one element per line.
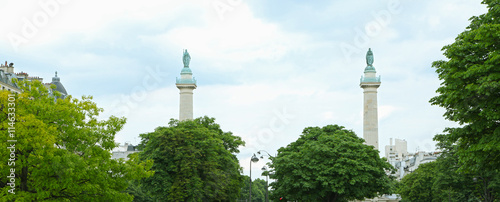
<point>453,184</point>
<point>62,150</point>
<point>139,192</point>
<point>329,164</point>
<point>137,189</point>
<point>470,92</point>
<point>194,160</point>
<point>460,185</point>
<point>428,183</point>
<point>418,185</point>
<point>438,181</point>
<point>441,180</point>
<point>258,190</point>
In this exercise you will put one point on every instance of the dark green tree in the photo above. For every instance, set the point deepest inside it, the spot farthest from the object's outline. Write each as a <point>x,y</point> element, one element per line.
<point>140,193</point>
<point>439,181</point>
<point>62,149</point>
<point>258,190</point>
<point>194,160</point>
<point>329,164</point>
<point>442,180</point>
<point>418,185</point>
<point>460,185</point>
<point>470,92</point>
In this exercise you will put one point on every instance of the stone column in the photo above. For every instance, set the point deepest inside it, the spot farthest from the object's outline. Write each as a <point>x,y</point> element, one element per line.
<point>370,82</point>
<point>186,102</point>
<point>186,84</point>
<point>370,115</point>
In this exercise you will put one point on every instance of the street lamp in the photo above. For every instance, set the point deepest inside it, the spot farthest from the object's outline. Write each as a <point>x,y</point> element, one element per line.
<point>253,159</point>
<point>259,152</point>
<point>265,169</point>
<point>267,184</point>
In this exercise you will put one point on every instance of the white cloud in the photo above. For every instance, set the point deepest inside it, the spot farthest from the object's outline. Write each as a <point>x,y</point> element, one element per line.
<point>385,110</point>
<point>273,67</point>
<point>240,39</point>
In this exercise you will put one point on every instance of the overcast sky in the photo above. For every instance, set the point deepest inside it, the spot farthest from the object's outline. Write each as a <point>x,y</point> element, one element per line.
<point>265,69</point>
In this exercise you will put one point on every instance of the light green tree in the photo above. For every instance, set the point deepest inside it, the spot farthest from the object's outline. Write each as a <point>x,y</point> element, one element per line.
<point>194,160</point>
<point>63,151</point>
<point>329,164</point>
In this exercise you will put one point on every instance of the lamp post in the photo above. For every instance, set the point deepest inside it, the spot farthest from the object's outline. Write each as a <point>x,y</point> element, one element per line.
<point>267,183</point>
<point>265,169</point>
<point>259,152</point>
<point>253,159</point>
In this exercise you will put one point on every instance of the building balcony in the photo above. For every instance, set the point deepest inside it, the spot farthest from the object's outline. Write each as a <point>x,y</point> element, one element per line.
<point>185,81</point>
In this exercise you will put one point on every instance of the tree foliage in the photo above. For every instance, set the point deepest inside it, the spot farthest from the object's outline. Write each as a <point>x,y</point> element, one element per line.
<point>193,161</point>
<point>463,185</point>
<point>258,190</point>
<point>63,151</point>
<point>442,180</point>
<point>436,181</point>
<point>417,186</point>
<point>329,164</point>
<point>470,90</point>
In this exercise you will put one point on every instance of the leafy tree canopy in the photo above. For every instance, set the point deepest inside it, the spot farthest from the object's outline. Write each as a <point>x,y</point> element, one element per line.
<point>329,164</point>
<point>442,180</point>
<point>258,190</point>
<point>417,186</point>
<point>470,91</point>
<point>194,160</point>
<point>63,151</point>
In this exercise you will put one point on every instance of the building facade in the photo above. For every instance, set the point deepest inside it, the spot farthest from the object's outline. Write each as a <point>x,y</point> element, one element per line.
<point>397,151</point>
<point>7,74</point>
<point>397,155</point>
<point>59,86</point>
<point>122,151</point>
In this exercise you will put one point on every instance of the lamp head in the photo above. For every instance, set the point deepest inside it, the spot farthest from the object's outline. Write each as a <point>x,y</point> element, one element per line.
<point>254,158</point>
